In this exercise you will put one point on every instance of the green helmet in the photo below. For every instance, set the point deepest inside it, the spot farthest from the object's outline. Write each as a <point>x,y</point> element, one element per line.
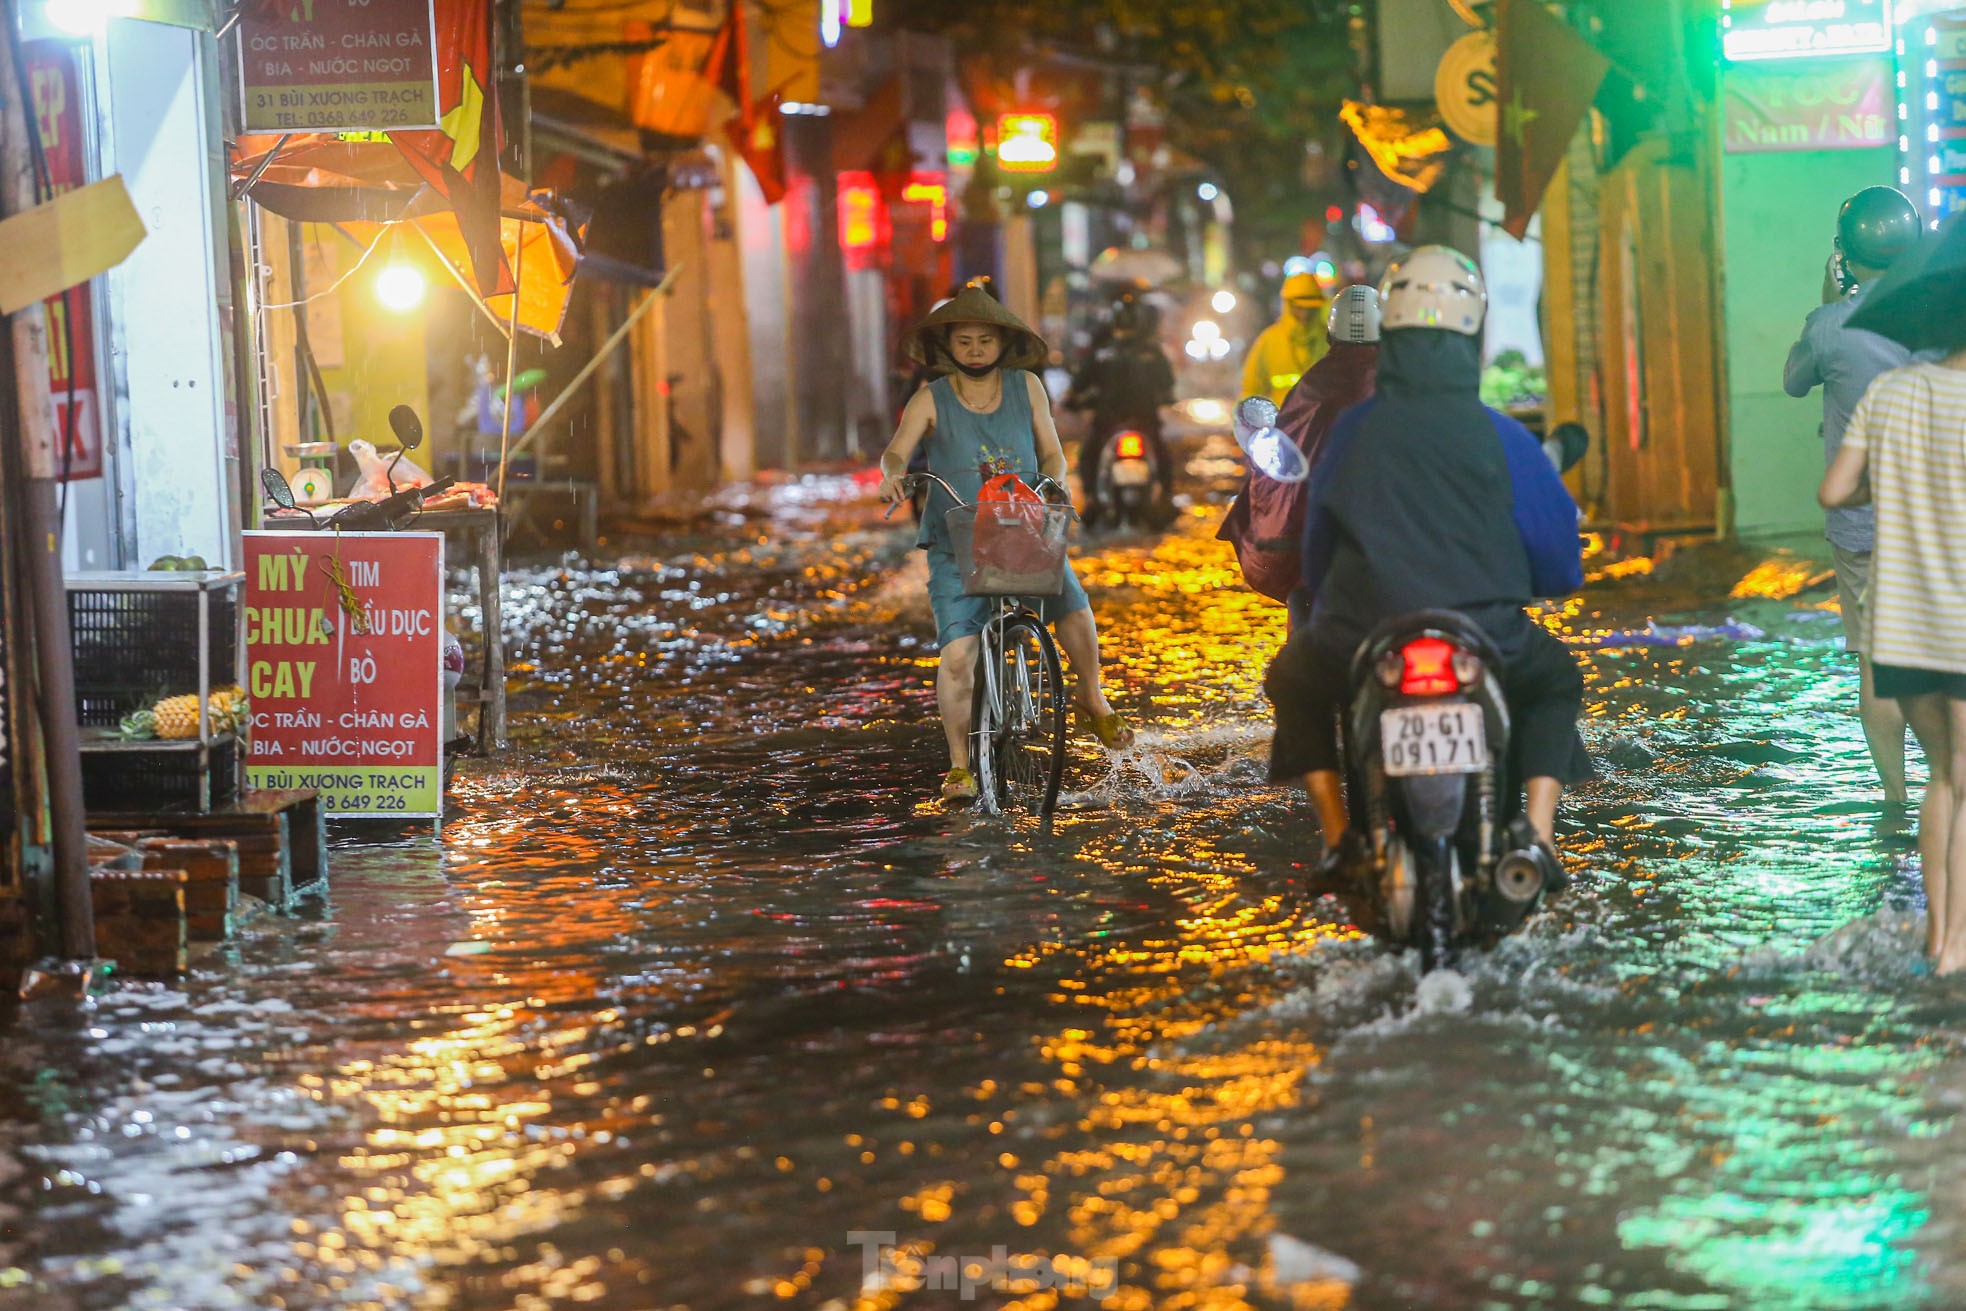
<point>1877,225</point>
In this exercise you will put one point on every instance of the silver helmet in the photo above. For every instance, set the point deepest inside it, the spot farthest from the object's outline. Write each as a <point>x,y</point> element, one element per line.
<point>1354,318</point>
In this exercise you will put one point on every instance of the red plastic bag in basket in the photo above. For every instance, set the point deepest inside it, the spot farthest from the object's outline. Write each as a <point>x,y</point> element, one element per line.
<point>1007,487</point>
<point>1011,524</point>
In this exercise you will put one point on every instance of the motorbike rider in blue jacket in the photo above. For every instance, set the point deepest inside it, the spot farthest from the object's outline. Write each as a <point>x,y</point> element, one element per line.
<point>1427,499</point>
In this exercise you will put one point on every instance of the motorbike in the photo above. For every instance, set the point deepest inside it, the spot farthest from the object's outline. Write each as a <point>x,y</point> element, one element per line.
<point>391,514</point>
<point>1128,486</point>
<point>1426,746</point>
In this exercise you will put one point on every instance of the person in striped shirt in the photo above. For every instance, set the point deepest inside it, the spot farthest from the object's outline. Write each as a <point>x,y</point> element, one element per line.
<point>1904,451</point>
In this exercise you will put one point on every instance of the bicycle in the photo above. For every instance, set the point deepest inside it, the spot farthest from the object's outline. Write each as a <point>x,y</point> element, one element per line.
<point>1018,708</point>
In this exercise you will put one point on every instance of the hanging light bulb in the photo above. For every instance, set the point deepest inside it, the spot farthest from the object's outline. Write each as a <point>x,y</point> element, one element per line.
<point>400,287</point>
<point>399,284</point>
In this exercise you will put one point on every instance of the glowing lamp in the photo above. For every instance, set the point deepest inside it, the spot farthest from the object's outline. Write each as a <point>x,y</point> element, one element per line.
<point>859,13</point>
<point>1027,143</point>
<point>86,17</point>
<point>400,288</point>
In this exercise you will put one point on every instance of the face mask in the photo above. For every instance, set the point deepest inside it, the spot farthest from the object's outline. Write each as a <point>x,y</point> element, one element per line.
<point>977,371</point>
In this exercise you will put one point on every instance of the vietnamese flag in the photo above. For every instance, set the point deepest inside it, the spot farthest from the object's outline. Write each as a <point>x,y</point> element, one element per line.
<point>760,140</point>
<point>1546,77</point>
<point>460,159</point>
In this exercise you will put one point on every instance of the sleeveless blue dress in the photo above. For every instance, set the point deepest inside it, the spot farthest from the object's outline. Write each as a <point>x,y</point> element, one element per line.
<point>957,446</point>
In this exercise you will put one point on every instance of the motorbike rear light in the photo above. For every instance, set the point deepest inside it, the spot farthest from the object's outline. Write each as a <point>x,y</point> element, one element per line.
<point>1427,667</point>
<point>1131,446</point>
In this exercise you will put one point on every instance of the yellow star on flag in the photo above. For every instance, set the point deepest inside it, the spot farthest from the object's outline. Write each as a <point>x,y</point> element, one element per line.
<point>462,123</point>
<point>1516,118</point>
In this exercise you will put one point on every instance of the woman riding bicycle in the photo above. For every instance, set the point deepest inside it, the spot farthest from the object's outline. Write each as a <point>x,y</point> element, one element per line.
<point>987,408</point>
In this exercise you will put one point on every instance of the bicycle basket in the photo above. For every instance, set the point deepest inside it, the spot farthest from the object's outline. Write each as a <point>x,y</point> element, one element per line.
<point>1010,548</point>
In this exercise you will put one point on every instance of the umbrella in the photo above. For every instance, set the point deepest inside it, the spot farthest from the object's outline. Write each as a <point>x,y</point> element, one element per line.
<point>1146,268</point>
<point>361,186</point>
<point>1920,301</point>
<point>545,274</point>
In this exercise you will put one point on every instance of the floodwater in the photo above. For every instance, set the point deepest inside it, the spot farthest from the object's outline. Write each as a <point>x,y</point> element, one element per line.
<point>697,1003</point>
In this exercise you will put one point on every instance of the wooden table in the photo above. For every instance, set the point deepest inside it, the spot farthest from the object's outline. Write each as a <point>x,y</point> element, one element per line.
<point>481,532</point>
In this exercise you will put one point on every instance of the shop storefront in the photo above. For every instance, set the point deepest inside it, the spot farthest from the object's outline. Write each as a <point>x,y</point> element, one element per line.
<point>139,358</point>
<point>1809,117</point>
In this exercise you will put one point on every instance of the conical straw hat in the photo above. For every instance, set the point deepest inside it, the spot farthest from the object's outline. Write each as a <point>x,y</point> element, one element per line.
<point>1023,349</point>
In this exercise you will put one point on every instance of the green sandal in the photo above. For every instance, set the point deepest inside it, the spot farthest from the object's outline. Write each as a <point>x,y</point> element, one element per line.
<point>958,785</point>
<point>1111,729</point>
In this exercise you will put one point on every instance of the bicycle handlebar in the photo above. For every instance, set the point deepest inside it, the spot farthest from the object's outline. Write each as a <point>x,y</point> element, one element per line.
<point>910,483</point>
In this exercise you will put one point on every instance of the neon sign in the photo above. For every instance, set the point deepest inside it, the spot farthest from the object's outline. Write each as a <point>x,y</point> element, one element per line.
<point>1932,116</point>
<point>1027,143</point>
<point>930,189</point>
<point>1801,29</point>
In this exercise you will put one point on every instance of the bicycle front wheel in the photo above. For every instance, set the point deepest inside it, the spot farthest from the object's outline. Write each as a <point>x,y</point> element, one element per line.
<point>1017,717</point>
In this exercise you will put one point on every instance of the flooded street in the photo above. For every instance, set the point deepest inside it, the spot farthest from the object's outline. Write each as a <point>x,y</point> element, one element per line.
<point>699,1003</point>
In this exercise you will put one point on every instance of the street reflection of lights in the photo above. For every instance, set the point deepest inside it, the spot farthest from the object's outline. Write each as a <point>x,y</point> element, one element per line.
<point>1206,409</point>
<point>1222,302</point>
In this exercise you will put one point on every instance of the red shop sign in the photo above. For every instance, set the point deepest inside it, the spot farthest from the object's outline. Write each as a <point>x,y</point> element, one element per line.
<point>355,715</point>
<point>339,65</point>
<point>55,88</point>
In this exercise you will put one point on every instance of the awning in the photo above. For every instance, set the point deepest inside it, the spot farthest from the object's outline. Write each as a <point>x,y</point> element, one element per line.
<point>545,270</point>
<point>361,187</point>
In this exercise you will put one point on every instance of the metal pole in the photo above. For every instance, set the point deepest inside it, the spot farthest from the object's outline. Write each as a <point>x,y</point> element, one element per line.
<point>587,370</point>
<point>463,282</point>
<point>511,358</point>
<point>25,406</point>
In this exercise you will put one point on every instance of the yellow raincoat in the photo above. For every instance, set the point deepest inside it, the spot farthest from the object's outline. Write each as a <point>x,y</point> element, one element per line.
<point>1283,353</point>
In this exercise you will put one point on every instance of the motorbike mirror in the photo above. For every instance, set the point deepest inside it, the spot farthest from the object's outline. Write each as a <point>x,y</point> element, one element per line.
<point>277,489</point>
<point>1272,454</point>
<point>407,427</point>
<point>1567,445</point>
<point>1253,414</point>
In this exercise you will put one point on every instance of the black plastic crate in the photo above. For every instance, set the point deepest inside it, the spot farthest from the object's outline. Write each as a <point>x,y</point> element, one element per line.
<point>134,645</point>
<point>151,777</point>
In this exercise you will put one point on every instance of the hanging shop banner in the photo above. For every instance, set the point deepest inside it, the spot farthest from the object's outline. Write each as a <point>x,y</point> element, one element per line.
<point>348,704</point>
<point>1849,105</point>
<point>54,82</point>
<point>334,65</point>
<point>1933,167</point>
<point>1800,29</point>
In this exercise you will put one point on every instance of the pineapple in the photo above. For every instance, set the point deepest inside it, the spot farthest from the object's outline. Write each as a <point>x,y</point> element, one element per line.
<point>175,718</point>
<point>139,725</point>
<point>231,711</point>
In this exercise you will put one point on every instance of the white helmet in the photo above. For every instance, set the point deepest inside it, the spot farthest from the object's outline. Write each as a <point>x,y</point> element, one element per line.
<point>1354,318</point>
<point>1434,287</point>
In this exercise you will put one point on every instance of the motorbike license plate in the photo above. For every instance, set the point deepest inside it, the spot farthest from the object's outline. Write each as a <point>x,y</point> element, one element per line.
<point>1132,473</point>
<point>1436,739</point>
